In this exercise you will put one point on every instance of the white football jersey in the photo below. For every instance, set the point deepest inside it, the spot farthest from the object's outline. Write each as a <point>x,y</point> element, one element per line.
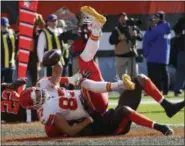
<point>46,84</point>
<point>62,101</point>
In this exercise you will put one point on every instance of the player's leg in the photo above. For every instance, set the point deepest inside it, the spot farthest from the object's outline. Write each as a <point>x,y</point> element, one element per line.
<point>101,86</point>
<point>148,86</point>
<point>129,114</point>
<point>92,45</point>
<point>132,98</point>
<point>86,62</point>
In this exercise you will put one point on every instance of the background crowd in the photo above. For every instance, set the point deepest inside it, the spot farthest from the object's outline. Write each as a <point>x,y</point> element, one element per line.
<point>57,33</point>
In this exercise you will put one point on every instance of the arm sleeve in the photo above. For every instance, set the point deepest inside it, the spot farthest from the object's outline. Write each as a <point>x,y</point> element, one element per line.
<point>41,45</point>
<point>113,40</point>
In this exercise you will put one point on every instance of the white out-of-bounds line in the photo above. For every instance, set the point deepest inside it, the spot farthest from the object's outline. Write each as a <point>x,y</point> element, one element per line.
<point>148,101</point>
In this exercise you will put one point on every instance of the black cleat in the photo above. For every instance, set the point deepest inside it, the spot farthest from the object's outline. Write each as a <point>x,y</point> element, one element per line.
<point>165,130</point>
<point>172,108</point>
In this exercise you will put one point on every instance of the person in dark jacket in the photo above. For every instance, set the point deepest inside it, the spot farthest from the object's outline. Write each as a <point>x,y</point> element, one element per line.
<point>157,52</point>
<point>179,29</point>
<point>125,49</point>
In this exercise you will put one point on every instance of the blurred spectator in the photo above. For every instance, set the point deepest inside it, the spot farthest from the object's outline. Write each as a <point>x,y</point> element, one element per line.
<point>49,39</point>
<point>33,58</point>
<point>157,51</point>
<point>64,36</point>
<point>69,18</point>
<point>146,45</point>
<point>179,42</point>
<point>8,51</point>
<point>69,35</point>
<point>125,48</point>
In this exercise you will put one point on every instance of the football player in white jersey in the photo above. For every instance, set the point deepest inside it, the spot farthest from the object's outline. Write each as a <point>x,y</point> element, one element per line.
<point>66,105</point>
<point>73,105</point>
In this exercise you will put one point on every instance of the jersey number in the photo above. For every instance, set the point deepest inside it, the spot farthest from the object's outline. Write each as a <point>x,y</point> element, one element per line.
<point>68,103</point>
<point>10,102</point>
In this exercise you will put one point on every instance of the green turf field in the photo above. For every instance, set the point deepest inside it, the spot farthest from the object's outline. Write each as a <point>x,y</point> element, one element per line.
<point>114,96</point>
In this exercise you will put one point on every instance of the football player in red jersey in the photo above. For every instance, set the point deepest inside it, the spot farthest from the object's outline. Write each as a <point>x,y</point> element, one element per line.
<point>86,47</point>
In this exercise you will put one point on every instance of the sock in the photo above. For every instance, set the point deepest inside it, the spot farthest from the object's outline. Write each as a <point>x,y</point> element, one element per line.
<point>152,90</point>
<point>96,31</point>
<point>99,87</point>
<point>122,126</point>
<point>140,119</point>
<point>112,86</point>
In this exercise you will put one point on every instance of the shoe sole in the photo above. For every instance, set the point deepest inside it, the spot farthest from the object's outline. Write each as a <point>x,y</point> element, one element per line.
<point>90,11</point>
<point>169,132</point>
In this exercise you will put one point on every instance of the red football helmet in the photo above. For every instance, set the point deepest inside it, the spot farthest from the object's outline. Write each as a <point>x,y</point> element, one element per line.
<point>33,97</point>
<point>84,29</point>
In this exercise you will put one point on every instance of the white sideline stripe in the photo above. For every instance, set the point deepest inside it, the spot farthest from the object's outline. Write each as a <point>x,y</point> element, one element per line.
<point>28,12</point>
<point>24,51</point>
<point>23,64</point>
<point>147,102</point>
<point>25,38</point>
<point>27,25</point>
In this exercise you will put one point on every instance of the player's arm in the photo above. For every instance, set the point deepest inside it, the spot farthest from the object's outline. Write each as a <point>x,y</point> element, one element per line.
<point>52,58</point>
<point>56,73</point>
<point>63,125</point>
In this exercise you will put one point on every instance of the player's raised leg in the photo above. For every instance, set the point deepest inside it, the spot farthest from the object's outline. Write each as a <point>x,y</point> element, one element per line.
<point>86,59</point>
<point>92,45</point>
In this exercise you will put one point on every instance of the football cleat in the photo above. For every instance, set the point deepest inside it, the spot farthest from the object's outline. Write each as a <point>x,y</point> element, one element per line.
<point>167,131</point>
<point>91,12</point>
<point>127,82</point>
